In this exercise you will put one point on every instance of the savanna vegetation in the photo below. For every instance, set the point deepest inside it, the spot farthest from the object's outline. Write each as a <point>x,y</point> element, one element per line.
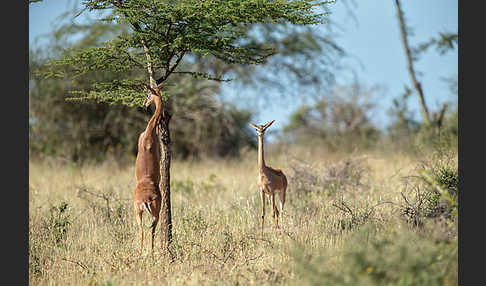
<point>367,218</point>
<point>365,205</point>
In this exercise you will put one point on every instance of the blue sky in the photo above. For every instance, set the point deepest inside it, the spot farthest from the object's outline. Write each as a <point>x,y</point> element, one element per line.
<point>374,39</point>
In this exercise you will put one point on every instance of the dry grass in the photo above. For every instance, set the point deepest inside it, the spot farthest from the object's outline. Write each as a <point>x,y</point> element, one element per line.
<point>215,208</point>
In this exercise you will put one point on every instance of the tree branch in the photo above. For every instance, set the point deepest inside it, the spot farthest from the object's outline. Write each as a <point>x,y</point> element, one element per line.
<point>202,75</point>
<point>416,83</point>
<point>150,69</point>
<point>146,48</point>
<point>169,70</point>
<point>134,60</point>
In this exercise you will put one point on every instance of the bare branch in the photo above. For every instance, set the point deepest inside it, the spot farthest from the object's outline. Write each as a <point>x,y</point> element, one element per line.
<point>416,83</point>
<point>82,265</point>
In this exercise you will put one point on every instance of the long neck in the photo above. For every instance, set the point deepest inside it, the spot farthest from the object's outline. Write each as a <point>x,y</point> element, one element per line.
<point>261,160</point>
<point>155,117</point>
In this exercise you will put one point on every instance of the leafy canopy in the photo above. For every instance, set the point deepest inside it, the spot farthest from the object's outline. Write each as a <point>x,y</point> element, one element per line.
<point>163,32</point>
<point>91,132</point>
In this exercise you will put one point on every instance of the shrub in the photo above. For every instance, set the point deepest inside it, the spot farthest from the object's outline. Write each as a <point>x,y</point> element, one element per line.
<point>443,191</point>
<point>334,178</point>
<point>403,259</point>
<point>435,187</point>
<point>355,216</point>
<point>59,222</point>
<point>47,235</point>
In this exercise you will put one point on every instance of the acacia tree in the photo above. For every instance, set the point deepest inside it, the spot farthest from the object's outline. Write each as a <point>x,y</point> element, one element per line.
<point>162,33</point>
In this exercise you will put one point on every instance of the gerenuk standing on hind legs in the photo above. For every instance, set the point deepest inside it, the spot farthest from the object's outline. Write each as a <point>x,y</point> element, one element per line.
<point>147,195</point>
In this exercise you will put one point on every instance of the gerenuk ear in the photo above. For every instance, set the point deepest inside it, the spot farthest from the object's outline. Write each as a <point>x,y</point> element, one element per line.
<point>252,125</point>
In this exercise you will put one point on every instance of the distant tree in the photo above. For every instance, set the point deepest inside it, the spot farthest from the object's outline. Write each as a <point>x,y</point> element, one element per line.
<point>162,34</point>
<point>341,118</point>
<point>446,42</point>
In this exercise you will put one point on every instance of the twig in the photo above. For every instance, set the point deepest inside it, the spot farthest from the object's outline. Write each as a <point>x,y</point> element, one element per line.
<point>102,196</point>
<point>346,208</point>
<point>246,261</point>
<point>82,265</point>
<point>380,203</point>
<point>262,239</point>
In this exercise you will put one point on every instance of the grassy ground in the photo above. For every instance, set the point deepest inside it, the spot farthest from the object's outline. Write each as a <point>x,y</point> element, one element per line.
<point>343,225</point>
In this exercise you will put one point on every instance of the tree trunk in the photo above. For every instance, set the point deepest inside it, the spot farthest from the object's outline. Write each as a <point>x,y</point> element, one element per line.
<point>416,84</point>
<point>164,185</point>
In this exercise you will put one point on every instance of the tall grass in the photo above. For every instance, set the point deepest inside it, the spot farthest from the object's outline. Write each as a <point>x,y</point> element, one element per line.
<point>343,224</point>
